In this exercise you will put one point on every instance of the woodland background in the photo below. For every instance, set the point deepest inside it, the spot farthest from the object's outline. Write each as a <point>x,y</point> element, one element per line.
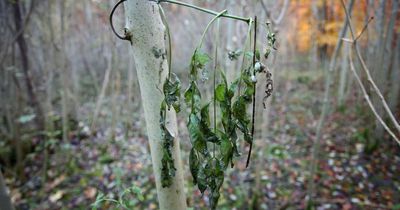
<point>72,128</point>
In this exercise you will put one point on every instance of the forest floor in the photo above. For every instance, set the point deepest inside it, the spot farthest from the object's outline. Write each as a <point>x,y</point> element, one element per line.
<point>355,170</point>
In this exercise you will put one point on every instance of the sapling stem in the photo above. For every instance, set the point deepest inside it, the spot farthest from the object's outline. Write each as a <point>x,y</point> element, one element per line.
<point>254,92</point>
<point>215,80</point>
<point>218,15</point>
<point>169,40</point>
<point>248,37</point>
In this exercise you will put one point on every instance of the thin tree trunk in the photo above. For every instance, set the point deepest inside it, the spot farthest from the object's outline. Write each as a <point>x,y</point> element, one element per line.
<point>343,75</point>
<point>377,64</point>
<point>325,107</point>
<point>394,94</point>
<point>130,100</point>
<point>64,82</point>
<point>103,90</point>
<point>23,47</point>
<point>114,107</point>
<point>389,47</point>
<point>143,21</point>
<point>5,201</point>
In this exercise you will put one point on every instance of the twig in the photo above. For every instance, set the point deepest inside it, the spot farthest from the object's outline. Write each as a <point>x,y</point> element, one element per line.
<point>254,92</point>
<point>278,20</point>
<point>366,70</point>
<point>367,98</point>
<point>164,18</point>
<point>365,28</point>
<point>247,20</point>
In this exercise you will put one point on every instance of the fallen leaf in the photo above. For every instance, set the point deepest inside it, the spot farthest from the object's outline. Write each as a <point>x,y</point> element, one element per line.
<point>56,196</point>
<point>90,192</point>
<point>55,183</point>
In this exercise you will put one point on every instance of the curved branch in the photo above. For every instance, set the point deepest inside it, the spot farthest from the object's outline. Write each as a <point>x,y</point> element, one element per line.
<point>247,20</point>
<point>367,98</point>
<point>125,37</point>
<point>367,72</point>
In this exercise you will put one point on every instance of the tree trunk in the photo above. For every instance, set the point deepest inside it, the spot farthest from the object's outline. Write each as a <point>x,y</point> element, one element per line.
<point>325,108</point>
<point>5,201</point>
<point>23,47</point>
<point>343,75</point>
<point>377,64</point>
<point>394,94</point>
<point>143,21</point>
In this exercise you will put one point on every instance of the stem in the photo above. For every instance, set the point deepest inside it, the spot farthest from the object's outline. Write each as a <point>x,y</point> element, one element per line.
<point>254,91</point>
<point>215,79</point>
<point>247,20</point>
<point>164,18</point>
<point>218,15</point>
<point>248,36</point>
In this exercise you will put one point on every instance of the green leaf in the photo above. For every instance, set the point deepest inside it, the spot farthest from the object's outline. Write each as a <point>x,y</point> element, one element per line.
<point>202,180</point>
<point>196,136</point>
<point>205,126</point>
<point>193,97</point>
<point>226,151</point>
<point>26,118</point>
<point>106,159</point>
<point>242,118</point>
<point>205,115</point>
<point>167,162</point>
<point>220,92</point>
<point>234,55</point>
<point>257,55</point>
<point>172,91</point>
<point>201,59</point>
<point>194,164</point>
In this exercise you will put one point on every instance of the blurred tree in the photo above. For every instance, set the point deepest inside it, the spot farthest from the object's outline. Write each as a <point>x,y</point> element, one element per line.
<point>19,19</point>
<point>5,201</point>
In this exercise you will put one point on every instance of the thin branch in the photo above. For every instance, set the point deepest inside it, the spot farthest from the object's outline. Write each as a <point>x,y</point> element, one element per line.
<point>366,70</point>
<point>164,19</point>
<point>365,28</point>
<point>254,92</point>
<point>276,21</point>
<point>247,20</point>
<point>367,98</point>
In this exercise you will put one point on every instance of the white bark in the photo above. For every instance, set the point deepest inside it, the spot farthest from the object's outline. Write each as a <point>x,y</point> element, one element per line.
<point>343,75</point>
<point>143,21</point>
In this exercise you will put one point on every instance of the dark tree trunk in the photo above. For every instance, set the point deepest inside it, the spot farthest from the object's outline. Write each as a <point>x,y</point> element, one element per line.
<point>23,47</point>
<point>5,201</point>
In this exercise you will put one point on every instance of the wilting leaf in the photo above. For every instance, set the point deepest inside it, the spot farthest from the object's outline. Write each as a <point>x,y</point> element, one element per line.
<point>193,97</point>
<point>194,164</point>
<point>172,92</point>
<point>226,151</point>
<point>167,162</point>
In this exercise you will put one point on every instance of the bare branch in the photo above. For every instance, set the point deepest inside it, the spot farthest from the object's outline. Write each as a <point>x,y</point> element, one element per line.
<point>367,98</point>
<point>366,70</point>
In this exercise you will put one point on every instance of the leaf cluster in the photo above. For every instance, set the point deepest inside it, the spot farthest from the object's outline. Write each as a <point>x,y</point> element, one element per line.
<point>213,148</point>
<point>171,89</point>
